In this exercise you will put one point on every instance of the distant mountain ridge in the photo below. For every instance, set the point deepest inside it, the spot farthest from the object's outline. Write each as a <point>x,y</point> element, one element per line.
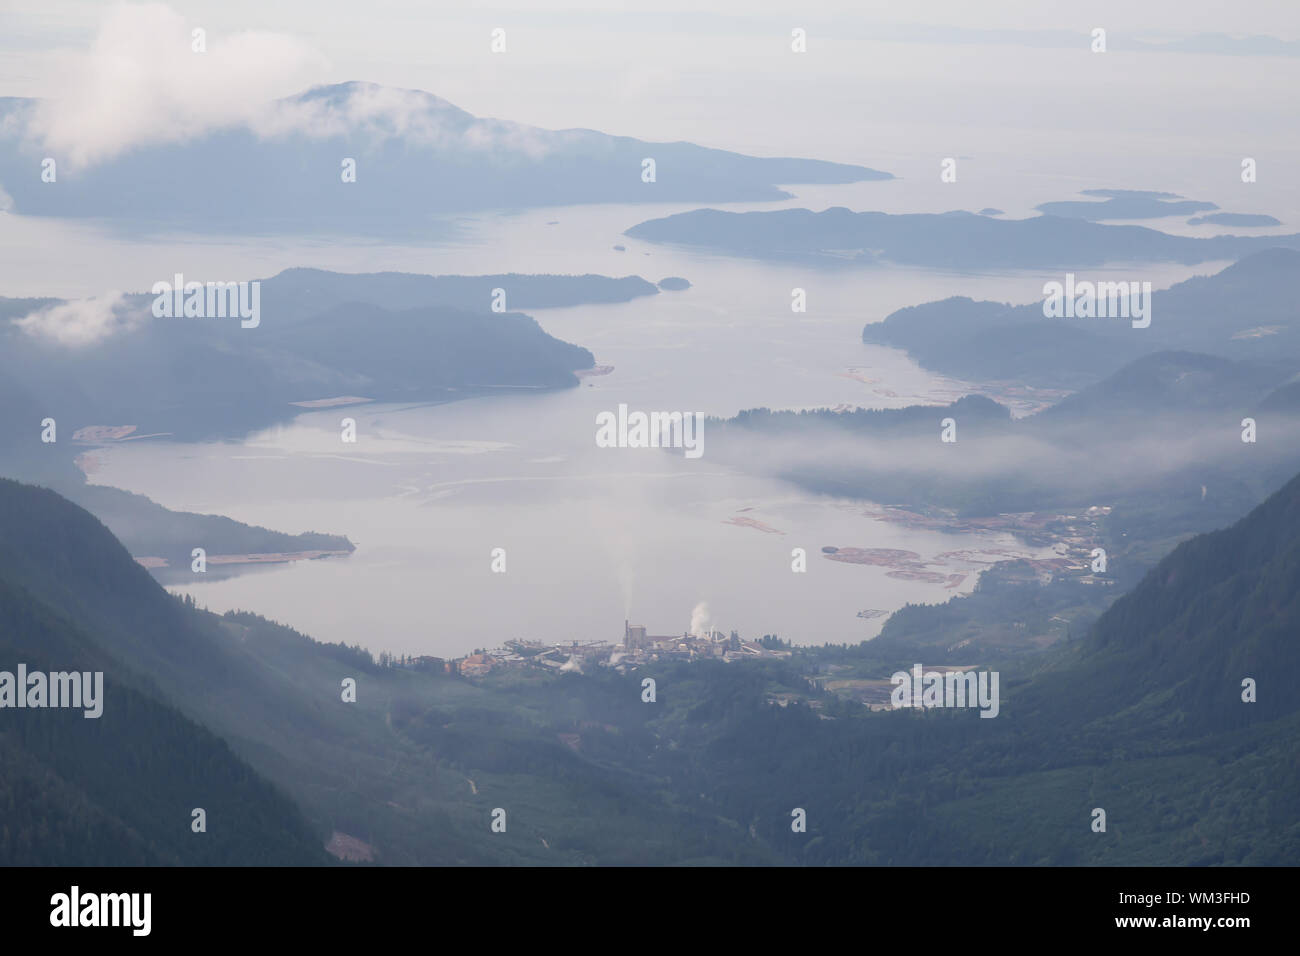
<point>1154,434</point>
<point>1244,312</point>
<point>955,240</point>
<point>300,292</point>
<point>384,336</point>
<point>417,157</point>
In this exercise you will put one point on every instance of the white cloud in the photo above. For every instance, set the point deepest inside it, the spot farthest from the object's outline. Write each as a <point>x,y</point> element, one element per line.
<point>140,82</point>
<point>416,117</point>
<point>81,322</point>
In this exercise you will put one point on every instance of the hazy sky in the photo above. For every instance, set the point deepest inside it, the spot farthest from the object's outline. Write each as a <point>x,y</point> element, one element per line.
<point>1011,88</point>
<point>878,78</point>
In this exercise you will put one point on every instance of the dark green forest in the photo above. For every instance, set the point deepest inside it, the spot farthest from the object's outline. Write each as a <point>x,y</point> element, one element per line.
<point>1141,715</point>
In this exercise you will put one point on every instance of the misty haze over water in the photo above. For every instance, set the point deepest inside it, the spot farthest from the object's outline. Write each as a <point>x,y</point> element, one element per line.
<point>428,491</point>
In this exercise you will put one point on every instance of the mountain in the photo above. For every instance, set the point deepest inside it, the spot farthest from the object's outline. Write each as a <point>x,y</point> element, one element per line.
<point>951,240</point>
<point>994,342</point>
<point>417,157</point>
<point>147,529</point>
<point>384,336</point>
<point>976,411</point>
<point>424,352</point>
<point>22,453</point>
<point>1188,385</point>
<point>1222,607</point>
<point>895,456</point>
<point>412,769</point>
<point>118,789</point>
<point>1242,219</point>
<point>58,556</point>
<point>1284,399</point>
<point>1243,312</point>
<point>1125,207</point>
<point>296,294</point>
<point>1142,716</point>
<point>1159,441</point>
<point>1138,462</point>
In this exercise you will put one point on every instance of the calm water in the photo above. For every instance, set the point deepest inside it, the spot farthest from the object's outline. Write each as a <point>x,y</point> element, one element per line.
<point>591,535</point>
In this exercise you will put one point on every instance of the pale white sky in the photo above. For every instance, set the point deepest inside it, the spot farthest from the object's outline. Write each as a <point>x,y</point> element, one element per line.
<point>721,71</point>
<point>1011,83</point>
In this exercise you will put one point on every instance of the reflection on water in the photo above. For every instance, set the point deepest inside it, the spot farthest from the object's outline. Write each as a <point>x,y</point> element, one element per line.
<point>591,535</point>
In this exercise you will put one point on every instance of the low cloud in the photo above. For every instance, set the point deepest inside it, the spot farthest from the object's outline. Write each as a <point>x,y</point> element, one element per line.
<point>81,322</point>
<point>141,83</point>
<point>1033,463</point>
<point>378,113</point>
